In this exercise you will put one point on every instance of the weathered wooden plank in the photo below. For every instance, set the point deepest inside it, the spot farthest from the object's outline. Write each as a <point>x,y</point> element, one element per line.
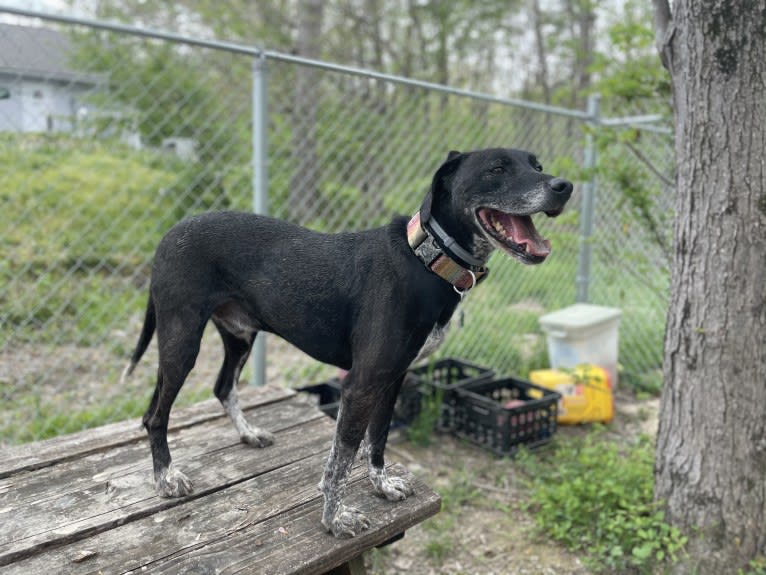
<point>43,453</point>
<point>113,465</point>
<point>189,525</point>
<point>76,499</point>
<point>268,524</point>
<point>293,542</point>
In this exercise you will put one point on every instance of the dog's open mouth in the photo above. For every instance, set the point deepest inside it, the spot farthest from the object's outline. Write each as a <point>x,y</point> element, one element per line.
<point>515,234</point>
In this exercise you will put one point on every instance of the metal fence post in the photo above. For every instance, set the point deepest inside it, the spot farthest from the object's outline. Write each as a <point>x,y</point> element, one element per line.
<point>588,202</point>
<point>260,185</point>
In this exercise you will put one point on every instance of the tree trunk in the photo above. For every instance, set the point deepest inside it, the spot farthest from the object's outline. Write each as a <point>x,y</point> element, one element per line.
<point>373,178</point>
<point>304,182</point>
<point>542,52</point>
<point>582,19</point>
<point>711,447</point>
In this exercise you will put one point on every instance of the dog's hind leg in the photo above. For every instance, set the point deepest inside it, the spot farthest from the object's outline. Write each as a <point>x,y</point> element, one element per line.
<point>178,341</point>
<point>392,488</point>
<point>237,351</point>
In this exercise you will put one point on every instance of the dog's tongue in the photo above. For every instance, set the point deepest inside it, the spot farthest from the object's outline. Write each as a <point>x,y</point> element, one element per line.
<point>522,231</point>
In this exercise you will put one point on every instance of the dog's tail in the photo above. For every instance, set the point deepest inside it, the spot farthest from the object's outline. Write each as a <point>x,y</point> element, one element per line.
<point>150,323</point>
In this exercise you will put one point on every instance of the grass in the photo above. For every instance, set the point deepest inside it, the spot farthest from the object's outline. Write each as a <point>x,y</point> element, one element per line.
<point>32,417</point>
<point>80,219</point>
<point>755,567</point>
<point>49,420</point>
<point>596,497</point>
<point>421,431</point>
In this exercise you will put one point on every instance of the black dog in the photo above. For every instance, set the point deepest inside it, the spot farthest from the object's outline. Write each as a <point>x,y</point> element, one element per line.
<point>371,302</point>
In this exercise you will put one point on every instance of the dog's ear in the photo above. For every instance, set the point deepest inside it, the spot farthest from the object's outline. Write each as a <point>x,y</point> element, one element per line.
<point>439,183</point>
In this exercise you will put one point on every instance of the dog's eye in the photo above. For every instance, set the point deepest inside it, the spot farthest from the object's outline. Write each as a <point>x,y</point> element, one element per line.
<point>497,170</point>
<point>537,167</point>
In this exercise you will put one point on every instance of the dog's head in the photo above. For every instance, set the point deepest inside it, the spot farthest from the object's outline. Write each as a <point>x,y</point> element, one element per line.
<point>492,195</point>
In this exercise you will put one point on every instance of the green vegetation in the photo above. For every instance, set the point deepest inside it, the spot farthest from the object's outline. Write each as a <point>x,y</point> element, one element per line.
<point>79,220</point>
<point>30,416</point>
<point>756,567</point>
<point>596,497</point>
<point>420,431</point>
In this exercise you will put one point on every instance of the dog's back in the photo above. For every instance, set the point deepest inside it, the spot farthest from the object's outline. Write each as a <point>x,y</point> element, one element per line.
<point>258,273</point>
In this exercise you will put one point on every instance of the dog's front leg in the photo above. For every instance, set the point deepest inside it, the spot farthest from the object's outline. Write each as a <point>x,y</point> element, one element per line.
<point>392,488</point>
<point>353,416</point>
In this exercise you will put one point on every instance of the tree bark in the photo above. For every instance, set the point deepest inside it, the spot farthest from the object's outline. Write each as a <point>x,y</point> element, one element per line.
<point>711,448</point>
<point>542,52</point>
<point>582,18</point>
<point>304,182</point>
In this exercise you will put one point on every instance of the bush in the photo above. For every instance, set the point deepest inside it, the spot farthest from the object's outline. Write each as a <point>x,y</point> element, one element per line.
<point>419,432</point>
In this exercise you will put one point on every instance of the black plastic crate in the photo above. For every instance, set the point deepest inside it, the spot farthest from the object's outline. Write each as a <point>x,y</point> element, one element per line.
<point>406,409</point>
<point>409,403</point>
<point>443,378</point>
<point>502,414</point>
<point>328,395</point>
<point>450,372</point>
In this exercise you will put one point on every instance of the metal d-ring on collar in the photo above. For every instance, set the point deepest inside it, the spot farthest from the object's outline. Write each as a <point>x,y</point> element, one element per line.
<point>466,290</point>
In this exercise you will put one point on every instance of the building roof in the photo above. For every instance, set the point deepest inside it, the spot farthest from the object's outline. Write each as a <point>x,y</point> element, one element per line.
<point>34,51</point>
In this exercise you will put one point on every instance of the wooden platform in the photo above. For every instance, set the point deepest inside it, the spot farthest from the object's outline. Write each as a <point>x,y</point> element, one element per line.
<point>85,503</point>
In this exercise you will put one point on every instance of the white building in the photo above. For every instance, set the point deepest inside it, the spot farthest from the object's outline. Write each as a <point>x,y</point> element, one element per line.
<point>40,90</point>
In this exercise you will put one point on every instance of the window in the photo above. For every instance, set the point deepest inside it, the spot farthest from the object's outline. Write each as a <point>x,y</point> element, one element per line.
<point>5,93</point>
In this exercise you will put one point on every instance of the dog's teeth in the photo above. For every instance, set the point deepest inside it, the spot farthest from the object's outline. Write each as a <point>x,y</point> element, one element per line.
<point>499,227</point>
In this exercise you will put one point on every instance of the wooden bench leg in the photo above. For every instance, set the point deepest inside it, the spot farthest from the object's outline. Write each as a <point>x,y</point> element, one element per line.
<point>353,567</point>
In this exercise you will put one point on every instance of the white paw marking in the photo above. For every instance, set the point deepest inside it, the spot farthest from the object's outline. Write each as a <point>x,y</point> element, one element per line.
<point>173,483</point>
<point>348,522</point>
<point>251,435</point>
<point>257,437</point>
<point>392,488</point>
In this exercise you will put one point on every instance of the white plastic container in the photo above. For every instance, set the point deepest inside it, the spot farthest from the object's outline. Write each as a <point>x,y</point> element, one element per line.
<point>583,333</point>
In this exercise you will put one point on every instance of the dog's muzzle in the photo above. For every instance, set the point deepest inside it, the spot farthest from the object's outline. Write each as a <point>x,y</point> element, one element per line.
<point>516,233</point>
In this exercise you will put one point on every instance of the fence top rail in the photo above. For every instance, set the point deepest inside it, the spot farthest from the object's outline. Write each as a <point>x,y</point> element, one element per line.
<point>279,56</point>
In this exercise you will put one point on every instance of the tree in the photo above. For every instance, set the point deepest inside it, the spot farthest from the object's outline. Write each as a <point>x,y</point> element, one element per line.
<point>581,17</point>
<point>304,184</point>
<point>711,448</point>
<point>542,76</point>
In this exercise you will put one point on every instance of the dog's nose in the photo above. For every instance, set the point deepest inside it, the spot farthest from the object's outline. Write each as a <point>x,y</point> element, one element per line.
<point>561,186</point>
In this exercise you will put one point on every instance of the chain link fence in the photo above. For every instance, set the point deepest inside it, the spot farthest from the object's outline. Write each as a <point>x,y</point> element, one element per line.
<point>110,135</point>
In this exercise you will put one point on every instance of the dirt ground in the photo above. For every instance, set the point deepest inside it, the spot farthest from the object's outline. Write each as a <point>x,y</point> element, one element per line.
<point>483,528</point>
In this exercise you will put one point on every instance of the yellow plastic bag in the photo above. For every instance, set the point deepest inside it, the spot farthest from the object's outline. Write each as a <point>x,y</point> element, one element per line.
<point>586,393</point>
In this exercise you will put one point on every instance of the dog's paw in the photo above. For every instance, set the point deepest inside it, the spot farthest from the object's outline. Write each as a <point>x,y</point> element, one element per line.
<point>392,488</point>
<point>173,483</point>
<point>348,522</point>
<point>257,437</point>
